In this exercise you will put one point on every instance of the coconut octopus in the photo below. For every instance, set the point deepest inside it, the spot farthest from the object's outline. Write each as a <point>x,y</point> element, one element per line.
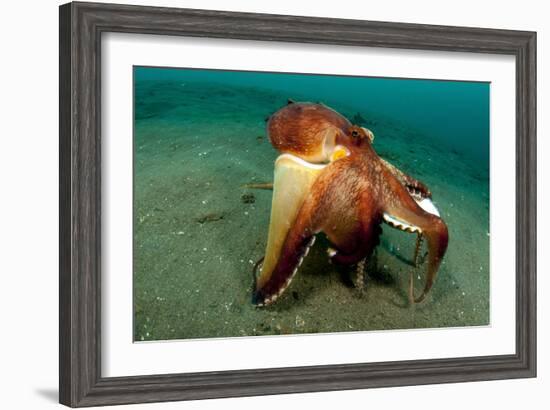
<point>329,179</point>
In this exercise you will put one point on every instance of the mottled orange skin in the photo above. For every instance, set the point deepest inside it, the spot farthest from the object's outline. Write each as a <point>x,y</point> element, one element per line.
<point>347,202</point>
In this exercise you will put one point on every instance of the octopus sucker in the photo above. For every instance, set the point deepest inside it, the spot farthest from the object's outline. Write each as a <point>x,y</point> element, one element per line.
<point>403,226</point>
<point>329,179</point>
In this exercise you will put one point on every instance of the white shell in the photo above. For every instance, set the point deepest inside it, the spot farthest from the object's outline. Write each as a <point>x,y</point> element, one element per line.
<point>427,205</point>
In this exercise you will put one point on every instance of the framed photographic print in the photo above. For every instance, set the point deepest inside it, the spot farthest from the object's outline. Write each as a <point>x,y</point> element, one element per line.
<point>259,204</point>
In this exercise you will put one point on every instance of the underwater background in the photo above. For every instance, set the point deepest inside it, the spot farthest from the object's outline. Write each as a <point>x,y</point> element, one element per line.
<point>199,138</point>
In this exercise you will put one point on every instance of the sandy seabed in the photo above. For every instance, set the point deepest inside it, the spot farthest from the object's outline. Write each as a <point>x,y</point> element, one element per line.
<point>198,232</point>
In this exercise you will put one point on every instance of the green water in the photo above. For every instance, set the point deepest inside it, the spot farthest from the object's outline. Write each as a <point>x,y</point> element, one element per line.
<point>199,136</point>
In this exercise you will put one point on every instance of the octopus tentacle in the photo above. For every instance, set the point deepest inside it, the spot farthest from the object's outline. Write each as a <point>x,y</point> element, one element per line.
<point>417,248</point>
<point>418,190</point>
<point>412,218</point>
<point>360,274</point>
<point>272,283</point>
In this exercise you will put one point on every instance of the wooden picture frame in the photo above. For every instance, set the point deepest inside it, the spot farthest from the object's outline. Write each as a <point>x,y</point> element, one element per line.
<point>81,27</point>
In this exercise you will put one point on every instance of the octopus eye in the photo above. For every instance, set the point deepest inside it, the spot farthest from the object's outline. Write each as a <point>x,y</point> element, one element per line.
<point>354,134</point>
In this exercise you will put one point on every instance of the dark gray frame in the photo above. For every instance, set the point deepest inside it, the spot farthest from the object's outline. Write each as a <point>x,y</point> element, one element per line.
<point>81,26</point>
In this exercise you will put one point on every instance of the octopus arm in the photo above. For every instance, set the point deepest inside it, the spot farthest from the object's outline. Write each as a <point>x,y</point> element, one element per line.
<point>416,188</point>
<point>409,216</point>
<point>287,239</point>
